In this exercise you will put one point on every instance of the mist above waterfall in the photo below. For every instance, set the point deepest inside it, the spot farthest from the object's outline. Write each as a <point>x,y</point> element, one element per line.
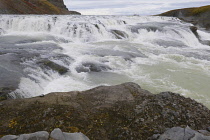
<point>43,54</point>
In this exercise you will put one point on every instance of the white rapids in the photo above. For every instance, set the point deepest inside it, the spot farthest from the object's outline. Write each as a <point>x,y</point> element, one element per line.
<point>158,53</point>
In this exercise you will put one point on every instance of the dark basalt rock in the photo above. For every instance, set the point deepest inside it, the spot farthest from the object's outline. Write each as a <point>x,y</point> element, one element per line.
<point>122,112</point>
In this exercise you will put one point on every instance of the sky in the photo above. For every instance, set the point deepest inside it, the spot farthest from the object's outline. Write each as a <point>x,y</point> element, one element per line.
<point>130,7</point>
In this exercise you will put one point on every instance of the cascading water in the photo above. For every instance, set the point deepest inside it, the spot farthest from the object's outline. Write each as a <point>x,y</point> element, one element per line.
<point>44,54</point>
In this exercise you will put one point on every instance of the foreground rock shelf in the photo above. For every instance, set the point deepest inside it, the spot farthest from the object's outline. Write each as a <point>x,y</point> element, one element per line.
<point>110,112</point>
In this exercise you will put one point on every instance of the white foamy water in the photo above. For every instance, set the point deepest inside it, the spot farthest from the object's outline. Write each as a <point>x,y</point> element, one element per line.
<point>158,53</point>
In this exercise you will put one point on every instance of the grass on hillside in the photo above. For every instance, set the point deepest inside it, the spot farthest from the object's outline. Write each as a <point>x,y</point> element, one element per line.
<point>199,10</point>
<point>190,11</point>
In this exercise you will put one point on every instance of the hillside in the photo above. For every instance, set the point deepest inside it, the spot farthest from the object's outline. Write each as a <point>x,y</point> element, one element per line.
<point>198,16</point>
<point>34,7</point>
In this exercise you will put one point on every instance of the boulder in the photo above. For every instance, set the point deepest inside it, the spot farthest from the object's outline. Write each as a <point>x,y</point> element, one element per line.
<point>57,134</point>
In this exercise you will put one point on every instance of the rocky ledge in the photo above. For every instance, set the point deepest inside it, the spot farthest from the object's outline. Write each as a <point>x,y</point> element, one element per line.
<point>122,112</point>
<point>34,7</point>
<point>198,16</point>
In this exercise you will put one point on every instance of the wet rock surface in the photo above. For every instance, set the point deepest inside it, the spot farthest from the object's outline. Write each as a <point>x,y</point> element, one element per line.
<point>122,112</point>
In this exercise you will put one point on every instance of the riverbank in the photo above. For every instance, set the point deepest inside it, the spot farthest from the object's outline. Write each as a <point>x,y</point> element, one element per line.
<point>199,16</point>
<point>123,111</point>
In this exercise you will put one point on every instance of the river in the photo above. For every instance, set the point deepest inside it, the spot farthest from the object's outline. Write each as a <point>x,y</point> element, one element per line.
<point>158,53</point>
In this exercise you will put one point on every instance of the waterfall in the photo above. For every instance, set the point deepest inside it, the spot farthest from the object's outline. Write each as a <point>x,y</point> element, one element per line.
<point>65,53</point>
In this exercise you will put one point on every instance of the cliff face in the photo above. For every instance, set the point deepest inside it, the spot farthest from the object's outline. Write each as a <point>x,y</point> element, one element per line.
<point>34,7</point>
<point>198,16</point>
